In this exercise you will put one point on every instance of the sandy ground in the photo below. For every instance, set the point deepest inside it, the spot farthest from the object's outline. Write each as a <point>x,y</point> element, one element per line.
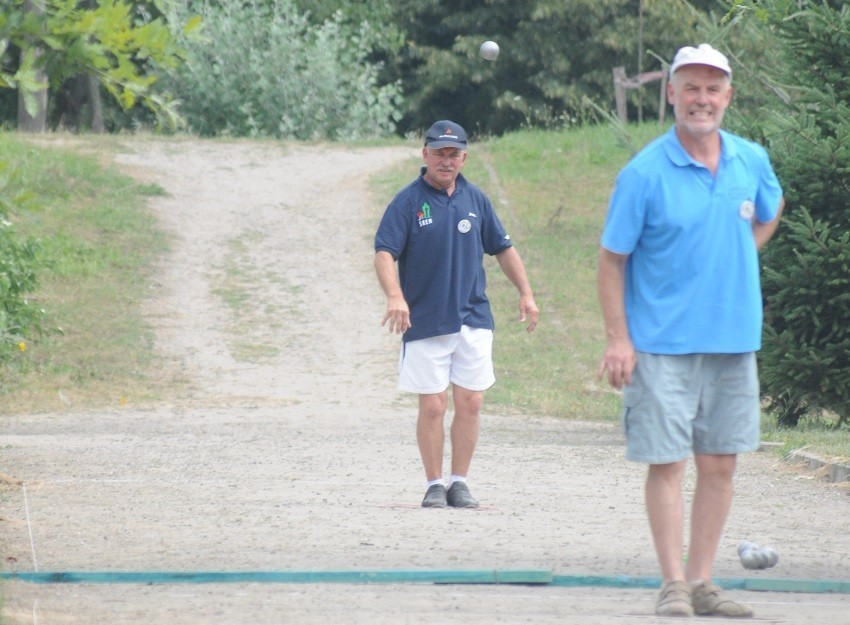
<point>297,453</point>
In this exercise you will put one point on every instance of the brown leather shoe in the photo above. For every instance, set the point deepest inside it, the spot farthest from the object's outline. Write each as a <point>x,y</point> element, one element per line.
<point>674,599</point>
<point>709,600</point>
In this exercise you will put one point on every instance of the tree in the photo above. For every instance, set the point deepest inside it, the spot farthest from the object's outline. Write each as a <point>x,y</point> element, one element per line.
<point>556,54</point>
<point>33,117</point>
<point>45,42</point>
<point>805,359</point>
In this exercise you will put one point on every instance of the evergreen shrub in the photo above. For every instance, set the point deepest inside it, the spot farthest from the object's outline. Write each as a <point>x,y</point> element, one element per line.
<point>805,359</point>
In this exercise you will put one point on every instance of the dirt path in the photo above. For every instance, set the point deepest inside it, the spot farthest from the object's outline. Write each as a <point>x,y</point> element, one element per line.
<point>296,453</point>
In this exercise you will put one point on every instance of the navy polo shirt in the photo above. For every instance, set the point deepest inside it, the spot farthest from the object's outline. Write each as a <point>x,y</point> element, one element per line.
<point>439,242</point>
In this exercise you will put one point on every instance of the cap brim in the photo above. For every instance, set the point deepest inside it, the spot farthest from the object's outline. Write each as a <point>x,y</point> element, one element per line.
<point>446,144</point>
<point>725,70</point>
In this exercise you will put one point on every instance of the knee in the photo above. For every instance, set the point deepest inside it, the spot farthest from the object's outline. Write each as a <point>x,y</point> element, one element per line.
<point>718,467</point>
<point>670,473</point>
<point>468,403</point>
<point>432,408</point>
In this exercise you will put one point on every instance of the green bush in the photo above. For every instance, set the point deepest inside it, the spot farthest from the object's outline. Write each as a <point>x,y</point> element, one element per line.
<point>806,354</point>
<point>805,359</point>
<point>19,261</point>
<point>263,70</point>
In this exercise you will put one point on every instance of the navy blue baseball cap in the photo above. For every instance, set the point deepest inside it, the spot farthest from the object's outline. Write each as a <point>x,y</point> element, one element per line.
<point>445,134</point>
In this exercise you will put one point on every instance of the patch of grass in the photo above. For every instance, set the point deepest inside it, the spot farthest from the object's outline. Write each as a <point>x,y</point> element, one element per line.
<point>551,190</point>
<point>100,243</point>
<point>237,283</point>
<point>820,436</point>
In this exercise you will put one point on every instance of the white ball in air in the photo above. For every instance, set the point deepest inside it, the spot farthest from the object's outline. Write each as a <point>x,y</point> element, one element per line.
<point>489,50</point>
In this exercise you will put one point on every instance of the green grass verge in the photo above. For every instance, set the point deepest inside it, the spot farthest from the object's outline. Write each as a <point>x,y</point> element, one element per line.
<point>817,436</point>
<point>100,244</point>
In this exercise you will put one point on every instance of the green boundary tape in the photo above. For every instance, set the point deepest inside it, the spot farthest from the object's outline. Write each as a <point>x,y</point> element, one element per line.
<point>731,583</point>
<point>484,576</point>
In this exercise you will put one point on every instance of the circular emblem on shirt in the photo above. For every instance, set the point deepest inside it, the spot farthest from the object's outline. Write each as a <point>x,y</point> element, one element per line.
<point>464,225</point>
<point>747,210</point>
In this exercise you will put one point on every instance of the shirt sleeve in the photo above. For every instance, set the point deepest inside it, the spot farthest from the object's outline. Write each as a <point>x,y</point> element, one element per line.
<point>769,192</point>
<point>494,237</point>
<point>394,228</point>
<point>626,213</point>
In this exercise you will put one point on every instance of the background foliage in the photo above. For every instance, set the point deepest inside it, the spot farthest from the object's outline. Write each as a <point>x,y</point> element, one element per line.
<point>403,63</point>
<point>123,43</point>
<point>805,360</point>
<point>555,55</point>
<point>265,70</point>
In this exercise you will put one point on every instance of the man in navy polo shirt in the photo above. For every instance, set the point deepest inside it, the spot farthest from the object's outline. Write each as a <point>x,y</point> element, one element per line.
<point>678,282</point>
<point>438,229</point>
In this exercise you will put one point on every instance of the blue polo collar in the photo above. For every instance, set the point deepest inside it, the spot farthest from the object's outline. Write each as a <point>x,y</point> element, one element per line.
<point>678,156</point>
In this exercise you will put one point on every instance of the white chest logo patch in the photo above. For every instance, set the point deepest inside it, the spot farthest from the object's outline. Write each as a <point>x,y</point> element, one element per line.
<point>747,210</point>
<point>464,225</point>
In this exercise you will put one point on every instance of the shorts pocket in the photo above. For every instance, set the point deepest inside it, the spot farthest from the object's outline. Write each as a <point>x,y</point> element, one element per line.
<point>631,399</point>
<point>631,396</point>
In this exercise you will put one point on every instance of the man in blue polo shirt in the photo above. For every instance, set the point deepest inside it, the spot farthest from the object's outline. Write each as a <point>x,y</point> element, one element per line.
<point>678,282</point>
<point>438,229</point>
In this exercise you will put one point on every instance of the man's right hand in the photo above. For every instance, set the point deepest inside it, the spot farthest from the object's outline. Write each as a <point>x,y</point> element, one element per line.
<point>397,315</point>
<point>619,361</point>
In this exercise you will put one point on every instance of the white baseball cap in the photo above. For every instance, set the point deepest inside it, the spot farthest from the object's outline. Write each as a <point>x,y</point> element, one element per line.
<point>702,55</point>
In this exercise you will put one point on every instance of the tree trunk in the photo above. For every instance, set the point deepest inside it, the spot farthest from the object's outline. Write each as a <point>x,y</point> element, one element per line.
<point>95,104</point>
<point>37,122</point>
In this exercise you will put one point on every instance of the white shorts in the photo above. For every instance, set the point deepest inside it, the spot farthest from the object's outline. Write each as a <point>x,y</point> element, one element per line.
<point>427,366</point>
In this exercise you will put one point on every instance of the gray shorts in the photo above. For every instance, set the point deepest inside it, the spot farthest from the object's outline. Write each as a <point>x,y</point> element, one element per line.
<point>694,403</point>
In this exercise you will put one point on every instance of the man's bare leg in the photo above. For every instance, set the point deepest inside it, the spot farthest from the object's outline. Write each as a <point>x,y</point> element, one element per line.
<point>712,501</point>
<point>666,516</point>
<point>466,426</point>
<point>430,434</point>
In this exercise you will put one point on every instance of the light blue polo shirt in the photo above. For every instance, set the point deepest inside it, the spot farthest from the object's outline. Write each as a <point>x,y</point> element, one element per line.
<point>692,276</point>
